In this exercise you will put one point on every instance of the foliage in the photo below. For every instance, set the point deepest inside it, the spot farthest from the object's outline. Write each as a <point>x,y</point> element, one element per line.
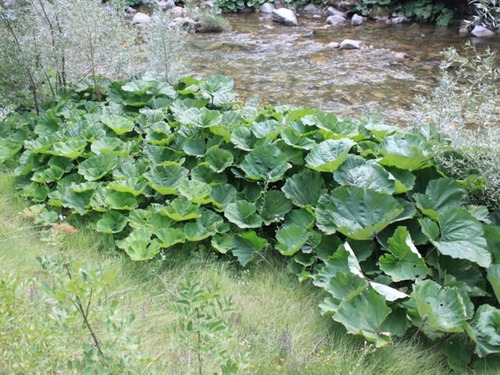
<point>232,6</point>
<point>422,10</point>
<point>164,44</point>
<point>359,208</point>
<point>51,43</point>
<point>203,326</point>
<point>466,144</point>
<point>487,14</point>
<point>75,299</point>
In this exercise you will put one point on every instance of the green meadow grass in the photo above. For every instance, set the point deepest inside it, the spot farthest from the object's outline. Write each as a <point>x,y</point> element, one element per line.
<point>276,318</point>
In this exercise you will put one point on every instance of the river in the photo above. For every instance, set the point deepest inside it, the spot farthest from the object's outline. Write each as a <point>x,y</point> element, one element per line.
<point>293,65</point>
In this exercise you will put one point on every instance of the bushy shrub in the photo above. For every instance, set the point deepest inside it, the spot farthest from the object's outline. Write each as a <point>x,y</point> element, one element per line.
<point>462,115</point>
<point>487,14</point>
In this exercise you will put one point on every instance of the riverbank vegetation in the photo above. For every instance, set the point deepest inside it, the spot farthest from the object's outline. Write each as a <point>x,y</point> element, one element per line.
<point>173,222</point>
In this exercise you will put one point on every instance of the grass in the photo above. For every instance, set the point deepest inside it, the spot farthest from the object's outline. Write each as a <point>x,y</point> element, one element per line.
<point>276,318</point>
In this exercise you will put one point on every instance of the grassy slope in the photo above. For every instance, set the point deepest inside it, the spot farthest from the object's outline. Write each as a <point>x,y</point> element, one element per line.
<point>277,319</point>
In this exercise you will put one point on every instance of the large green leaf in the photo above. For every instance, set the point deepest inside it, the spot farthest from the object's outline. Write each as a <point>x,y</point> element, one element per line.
<point>265,162</point>
<point>462,237</point>
<point>119,124</point>
<point>139,246</point>
<point>440,195</point>
<point>486,327</point>
<point>357,213</point>
<point>219,159</point>
<point>128,185</point>
<point>494,279</point>
<point>404,261</point>
<point>364,315</point>
<point>328,155</point>
<point>344,285</point>
<point>50,174</point>
<point>208,224</point>
<point>442,309</point>
<point>169,236</point>
<point>196,191</point>
<point>111,222</point>
<point>304,188</point>
<point>246,245</point>
<point>405,151</point>
<point>222,194</point>
<point>290,239</point>
<point>106,145</point>
<point>97,166</point>
<point>71,148</point>
<point>243,214</point>
<point>118,200</point>
<point>181,209</point>
<point>370,175</point>
<point>273,206</point>
<point>165,178</point>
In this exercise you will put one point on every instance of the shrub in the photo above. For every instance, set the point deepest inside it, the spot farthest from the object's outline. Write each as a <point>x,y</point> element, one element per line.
<point>465,109</point>
<point>487,14</point>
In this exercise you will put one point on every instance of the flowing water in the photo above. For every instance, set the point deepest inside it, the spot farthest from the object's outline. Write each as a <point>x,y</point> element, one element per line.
<point>293,65</point>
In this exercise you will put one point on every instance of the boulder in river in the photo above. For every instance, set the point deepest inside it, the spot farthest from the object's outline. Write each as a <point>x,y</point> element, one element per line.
<point>398,20</point>
<point>335,12</point>
<point>141,18</point>
<point>333,45</point>
<point>481,31</point>
<point>312,9</point>
<point>267,8</point>
<point>166,4</point>
<point>335,20</point>
<point>285,16</point>
<point>357,20</point>
<point>178,12</point>
<point>350,44</point>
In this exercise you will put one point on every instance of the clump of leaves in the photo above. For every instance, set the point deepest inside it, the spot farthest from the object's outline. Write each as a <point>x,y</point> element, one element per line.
<point>464,111</point>
<point>203,328</point>
<point>487,14</point>
<point>359,208</point>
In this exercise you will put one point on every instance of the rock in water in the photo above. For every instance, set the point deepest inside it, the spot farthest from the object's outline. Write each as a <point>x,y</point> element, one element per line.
<point>335,20</point>
<point>350,44</point>
<point>285,16</point>
<point>335,12</point>
<point>357,20</point>
<point>481,31</point>
<point>267,8</point>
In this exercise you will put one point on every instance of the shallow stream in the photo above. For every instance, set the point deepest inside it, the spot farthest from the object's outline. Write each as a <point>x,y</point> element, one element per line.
<point>293,65</point>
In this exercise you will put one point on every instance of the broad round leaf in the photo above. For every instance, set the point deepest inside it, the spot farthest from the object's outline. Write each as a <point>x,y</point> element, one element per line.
<point>357,213</point>
<point>329,155</point>
<point>111,222</point>
<point>265,162</point>
<point>290,239</point>
<point>486,326</point>
<point>97,166</point>
<point>119,124</point>
<point>165,178</point>
<point>304,188</point>
<point>243,214</point>
<point>138,245</point>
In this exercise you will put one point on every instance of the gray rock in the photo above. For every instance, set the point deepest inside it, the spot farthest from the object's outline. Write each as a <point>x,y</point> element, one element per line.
<point>335,20</point>
<point>177,12</point>
<point>166,4</point>
<point>335,12</point>
<point>186,23</point>
<point>267,8</point>
<point>350,44</point>
<point>285,16</point>
<point>482,32</point>
<point>463,30</point>
<point>311,9</point>
<point>131,10</point>
<point>333,45</point>
<point>268,27</point>
<point>357,20</point>
<point>141,18</point>
<point>398,20</point>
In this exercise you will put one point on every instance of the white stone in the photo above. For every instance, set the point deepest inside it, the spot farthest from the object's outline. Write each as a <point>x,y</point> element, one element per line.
<point>177,12</point>
<point>141,18</point>
<point>481,31</point>
<point>335,12</point>
<point>267,8</point>
<point>285,16</point>
<point>166,4</point>
<point>335,20</point>
<point>398,20</point>
<point>350,44</point>
<point>333,45</point>
<point>357,20</point>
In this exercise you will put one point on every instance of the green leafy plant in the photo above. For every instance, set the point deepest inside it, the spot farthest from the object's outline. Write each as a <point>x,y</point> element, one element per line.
<point>466,143</point>
<point>204,329</point>
<point>487,14</point>
<point>360,208</point>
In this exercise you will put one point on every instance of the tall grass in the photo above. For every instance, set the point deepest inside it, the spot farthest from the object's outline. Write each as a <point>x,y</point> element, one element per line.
<point>276,319</point>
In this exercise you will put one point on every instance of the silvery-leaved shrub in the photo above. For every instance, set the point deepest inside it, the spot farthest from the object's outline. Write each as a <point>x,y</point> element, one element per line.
<point>48,44</point>
<point>164,47</point>
<point>465,110</point>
